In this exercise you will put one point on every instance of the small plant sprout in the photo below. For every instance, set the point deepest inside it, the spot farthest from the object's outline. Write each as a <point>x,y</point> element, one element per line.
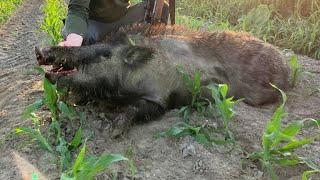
<point>223,106</point>
<point>295,70</point>
<point>279,143</point>
<point>87,168</point>
<point>194,87</point>
<point>219,106</point>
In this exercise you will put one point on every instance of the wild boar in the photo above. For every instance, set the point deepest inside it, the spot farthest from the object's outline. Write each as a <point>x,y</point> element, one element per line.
<point>138,66</point>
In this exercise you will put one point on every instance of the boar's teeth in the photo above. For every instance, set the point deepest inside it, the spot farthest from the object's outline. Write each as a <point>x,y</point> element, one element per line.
<point>60,69</point>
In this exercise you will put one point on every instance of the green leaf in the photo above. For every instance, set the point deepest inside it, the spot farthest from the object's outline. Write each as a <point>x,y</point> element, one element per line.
<point>287,162</point>
<point>295,144</point>
<point>79,161</point>
<point>65,155</point>
<point>306,174</point>
<point>66,110</point>
<point>310,163</point>
<point>31,108</point>
<point>37,135</point>
<point>101,164</point>
<point>293,128</point>
<point>223,89</point>
<point>76,141</point>
<point>197,82</point>
<point>51,97</point>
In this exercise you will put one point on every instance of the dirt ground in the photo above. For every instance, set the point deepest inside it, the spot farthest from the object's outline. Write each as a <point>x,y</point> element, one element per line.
<point>155,158</point>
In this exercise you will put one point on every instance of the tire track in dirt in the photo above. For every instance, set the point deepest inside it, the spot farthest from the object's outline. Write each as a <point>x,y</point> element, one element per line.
<point>17,40</point>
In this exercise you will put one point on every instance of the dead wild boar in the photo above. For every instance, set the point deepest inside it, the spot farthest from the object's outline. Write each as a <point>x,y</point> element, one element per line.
<point>138,66</point>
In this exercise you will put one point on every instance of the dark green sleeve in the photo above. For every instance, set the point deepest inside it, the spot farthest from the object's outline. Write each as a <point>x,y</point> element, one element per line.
<point>77,18</point>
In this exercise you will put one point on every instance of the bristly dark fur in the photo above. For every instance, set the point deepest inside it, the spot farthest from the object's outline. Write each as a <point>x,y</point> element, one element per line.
<point>135,56</point>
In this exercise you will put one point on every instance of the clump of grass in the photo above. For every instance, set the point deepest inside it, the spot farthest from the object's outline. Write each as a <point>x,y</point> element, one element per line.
<point>7,7</point>
<point>285,23</point>
<point>54,12</point>
<point>279,143</point>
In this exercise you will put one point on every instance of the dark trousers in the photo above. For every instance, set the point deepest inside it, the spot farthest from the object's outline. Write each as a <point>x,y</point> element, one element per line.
<point>135,14</point>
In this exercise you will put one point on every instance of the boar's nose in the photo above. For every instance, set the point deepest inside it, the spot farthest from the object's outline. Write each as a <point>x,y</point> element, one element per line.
<point>40,57</point>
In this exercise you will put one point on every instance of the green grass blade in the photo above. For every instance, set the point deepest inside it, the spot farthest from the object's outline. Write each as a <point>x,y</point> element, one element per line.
<point>76,141</point>
<point>293,129</point>
<point>102,163</point>
<point>51,97</point>
<point>65,155</point>
<point>310,163</point>
<point>31,108</point>
<point>306,174</point>
<point>295,144</point>
<point>79,161</point>
<point>66,110</point>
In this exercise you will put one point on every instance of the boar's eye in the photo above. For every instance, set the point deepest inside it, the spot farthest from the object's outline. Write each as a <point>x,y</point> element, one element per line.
<point>135,56</point>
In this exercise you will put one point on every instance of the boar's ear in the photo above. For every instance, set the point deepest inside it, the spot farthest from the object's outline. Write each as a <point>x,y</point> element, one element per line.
<point>135,56</point>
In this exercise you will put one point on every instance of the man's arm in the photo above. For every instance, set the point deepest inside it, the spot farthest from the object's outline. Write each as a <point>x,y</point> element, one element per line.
<point>76,22</point>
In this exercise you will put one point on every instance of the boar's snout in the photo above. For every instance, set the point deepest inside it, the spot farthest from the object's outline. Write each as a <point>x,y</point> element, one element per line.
<point>40,56</point>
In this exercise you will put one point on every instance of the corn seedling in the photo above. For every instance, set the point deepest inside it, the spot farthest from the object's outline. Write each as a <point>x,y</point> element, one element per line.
<point>295,70</point>
<point>194,87</point>
<point>280,143</point>
<point>87,168</point>
<point>6,9</point>
<point>54,13</point>
<point>223,107</point>
<point>219,106</point>
<point>58,110</point>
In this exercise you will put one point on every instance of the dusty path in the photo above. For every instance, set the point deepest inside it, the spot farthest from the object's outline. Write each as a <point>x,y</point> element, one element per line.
<point>17,39</point>
<point>155,159</point>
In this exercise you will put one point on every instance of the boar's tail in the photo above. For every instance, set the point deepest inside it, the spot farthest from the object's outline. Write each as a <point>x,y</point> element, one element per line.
<point>135,56</point>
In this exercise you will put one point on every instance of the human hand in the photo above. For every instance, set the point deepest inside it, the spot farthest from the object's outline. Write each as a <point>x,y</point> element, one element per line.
<point>72,40</point>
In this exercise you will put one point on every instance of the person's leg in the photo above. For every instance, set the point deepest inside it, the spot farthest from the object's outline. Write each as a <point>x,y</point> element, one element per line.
<point>98,30</point>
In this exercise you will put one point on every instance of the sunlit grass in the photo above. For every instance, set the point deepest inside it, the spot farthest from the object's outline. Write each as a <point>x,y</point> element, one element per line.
<point>293,24</point>
<point>6,9</point>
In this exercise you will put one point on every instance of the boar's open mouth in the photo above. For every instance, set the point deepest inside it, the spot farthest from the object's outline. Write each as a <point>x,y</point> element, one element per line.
<point>61,70</point>
<point>56,69</point>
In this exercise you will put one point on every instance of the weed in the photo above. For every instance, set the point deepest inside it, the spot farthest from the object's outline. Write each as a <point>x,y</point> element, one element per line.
<point>280,143</point>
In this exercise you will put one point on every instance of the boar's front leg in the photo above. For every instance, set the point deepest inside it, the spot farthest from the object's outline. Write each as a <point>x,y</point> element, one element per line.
<point>140,111</point>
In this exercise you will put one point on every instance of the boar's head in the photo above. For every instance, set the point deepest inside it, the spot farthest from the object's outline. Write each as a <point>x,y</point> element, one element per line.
<point>58,57</point>
<point>68,60</point>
